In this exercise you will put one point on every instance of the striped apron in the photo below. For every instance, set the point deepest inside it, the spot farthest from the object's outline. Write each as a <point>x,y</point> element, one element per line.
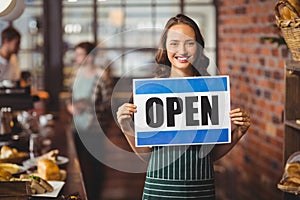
<point>180,172</point>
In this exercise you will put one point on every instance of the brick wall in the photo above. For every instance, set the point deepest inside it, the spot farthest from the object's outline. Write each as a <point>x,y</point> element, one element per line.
<point>256,68</point>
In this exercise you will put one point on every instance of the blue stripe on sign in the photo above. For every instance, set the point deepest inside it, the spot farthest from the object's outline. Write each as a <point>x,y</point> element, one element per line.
<point>157,86</point>
<point>182,137</point>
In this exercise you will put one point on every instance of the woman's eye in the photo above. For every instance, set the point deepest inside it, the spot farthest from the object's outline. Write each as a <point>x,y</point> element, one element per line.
<point>174,43</point>
<point>191,44</point>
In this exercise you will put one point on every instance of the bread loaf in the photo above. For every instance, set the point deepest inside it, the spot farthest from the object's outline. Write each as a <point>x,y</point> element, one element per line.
<point>4,175</point>
<point>293,169</point>
<point>287,13</point>
<point>48,169</point>
<point>294,180</point>
<point>296,5</point>
<point>7,152</point>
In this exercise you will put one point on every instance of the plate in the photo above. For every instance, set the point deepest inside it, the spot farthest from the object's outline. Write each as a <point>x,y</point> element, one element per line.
<point>61,160</point>
<point>33,162</point>
<point>57,186</point>
<point>13,168</point>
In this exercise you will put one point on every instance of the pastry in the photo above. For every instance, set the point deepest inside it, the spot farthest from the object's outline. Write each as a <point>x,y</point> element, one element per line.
<point>293,169</point>
<point>4,175</point>
<point>48,169</point>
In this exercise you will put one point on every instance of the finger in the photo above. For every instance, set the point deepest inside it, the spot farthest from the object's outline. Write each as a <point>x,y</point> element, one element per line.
<point>131,110</point>
<point>240,114</point>
<point>241,119</point>
<point>126,109</point>
<point>130,107</point>
<point>124,114</point>
<point>237,119</point>
<point>235,110</point>
<point>127,105</point>
<point>122,118</point>
<point>239,123</point>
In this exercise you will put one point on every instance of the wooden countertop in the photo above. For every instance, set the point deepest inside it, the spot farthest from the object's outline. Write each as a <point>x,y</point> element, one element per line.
<point>63,140</point>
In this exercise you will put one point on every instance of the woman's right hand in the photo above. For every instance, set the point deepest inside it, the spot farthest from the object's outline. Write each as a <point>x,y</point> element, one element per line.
<point>124,116</point>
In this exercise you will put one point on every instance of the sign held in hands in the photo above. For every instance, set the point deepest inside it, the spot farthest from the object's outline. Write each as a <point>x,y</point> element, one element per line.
<point>182,111</point>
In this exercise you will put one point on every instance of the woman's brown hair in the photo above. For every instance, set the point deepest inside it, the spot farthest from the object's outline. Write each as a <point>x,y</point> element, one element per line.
<point>201,62</point>
<point>87,46</point>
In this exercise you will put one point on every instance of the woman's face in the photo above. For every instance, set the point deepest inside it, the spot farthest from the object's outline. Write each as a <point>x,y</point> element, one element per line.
<point>181,48</point>
<point>80,55</point>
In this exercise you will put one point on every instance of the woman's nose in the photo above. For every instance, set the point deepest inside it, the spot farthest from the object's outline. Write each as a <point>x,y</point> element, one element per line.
<point>181,49</point>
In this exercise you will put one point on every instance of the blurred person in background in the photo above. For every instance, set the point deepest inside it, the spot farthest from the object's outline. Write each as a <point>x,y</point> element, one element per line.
<point>26,80</point>
<point>9,67</point>
<point>40,97</point>
<point>91,94</point>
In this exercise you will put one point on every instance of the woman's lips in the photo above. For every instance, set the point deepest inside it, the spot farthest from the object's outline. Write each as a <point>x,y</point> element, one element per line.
<point>182,59</point>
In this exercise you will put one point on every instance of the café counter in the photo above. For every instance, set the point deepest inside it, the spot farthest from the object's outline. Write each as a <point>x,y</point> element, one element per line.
<point>63,140</point>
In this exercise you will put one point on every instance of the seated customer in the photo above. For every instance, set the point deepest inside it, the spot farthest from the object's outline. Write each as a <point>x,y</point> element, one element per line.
<point>26,80</point>
<point>40,97</point>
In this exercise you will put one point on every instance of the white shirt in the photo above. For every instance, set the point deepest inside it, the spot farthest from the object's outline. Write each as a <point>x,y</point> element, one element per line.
<point>8,70</point>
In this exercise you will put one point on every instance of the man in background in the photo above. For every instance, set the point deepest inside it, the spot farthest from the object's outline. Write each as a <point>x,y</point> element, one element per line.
<point>9,68</point>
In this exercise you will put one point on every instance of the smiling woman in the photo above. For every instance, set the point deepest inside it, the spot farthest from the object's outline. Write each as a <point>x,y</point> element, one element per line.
<point>11,9</point>
<point>180,171</point>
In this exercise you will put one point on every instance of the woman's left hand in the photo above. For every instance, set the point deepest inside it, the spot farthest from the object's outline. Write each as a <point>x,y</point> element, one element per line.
<point>240,118</point>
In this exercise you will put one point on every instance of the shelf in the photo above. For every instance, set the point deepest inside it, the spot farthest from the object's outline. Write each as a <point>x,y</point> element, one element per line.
<point>291,139</point>
<point>293,124</point>
<point>293,65</point>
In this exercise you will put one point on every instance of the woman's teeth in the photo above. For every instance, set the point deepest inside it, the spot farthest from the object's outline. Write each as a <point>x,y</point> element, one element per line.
<point>182,58</point>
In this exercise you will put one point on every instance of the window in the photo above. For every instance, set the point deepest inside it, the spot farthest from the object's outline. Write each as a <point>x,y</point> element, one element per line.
<point>128,31</point>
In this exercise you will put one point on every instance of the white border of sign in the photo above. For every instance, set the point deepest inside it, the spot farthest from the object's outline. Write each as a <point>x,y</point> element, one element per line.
<point>175,128</point>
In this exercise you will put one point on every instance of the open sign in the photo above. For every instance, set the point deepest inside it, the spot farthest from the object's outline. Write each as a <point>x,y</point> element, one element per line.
<point>182,111</point>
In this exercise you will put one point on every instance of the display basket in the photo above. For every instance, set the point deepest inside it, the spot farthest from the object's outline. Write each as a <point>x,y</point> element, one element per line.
<point>290,28</point>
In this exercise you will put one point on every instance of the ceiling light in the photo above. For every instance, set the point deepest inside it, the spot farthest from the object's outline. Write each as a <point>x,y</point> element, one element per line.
<point>11,9</point>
